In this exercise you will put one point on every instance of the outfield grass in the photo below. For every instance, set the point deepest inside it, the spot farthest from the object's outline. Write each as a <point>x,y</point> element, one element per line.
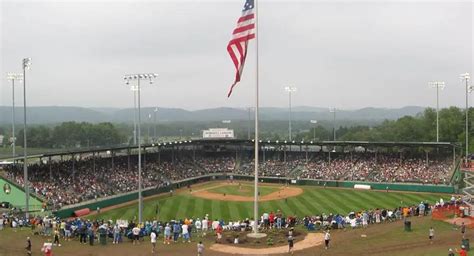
<point>246,190</point>
<point>314,200</point>
<point>17,197</point>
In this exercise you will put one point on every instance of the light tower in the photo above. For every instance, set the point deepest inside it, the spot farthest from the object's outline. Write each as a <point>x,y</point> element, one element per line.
<point>438,85</point>
<point>466,77</point>
<point>14,77</point>
<point>289,89</point>
<point>26,66</point>
<point>314,129</point>
<point>333,111</point>
<point>138,78</point>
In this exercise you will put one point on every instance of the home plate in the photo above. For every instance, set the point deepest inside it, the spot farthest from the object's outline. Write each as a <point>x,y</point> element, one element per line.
<point>363,235</point>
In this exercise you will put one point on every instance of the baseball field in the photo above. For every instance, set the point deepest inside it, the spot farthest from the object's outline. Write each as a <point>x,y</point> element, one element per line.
<point>233,201</point>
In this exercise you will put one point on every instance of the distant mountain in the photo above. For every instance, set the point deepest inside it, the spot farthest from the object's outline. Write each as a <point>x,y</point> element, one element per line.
<point>57,114</point>
<point>53,114</point>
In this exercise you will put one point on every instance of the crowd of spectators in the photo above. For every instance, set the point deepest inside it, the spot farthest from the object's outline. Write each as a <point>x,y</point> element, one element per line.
<point>191,229</point>
<point>378,168</point>
<point>272,166</point>
<point>73,181</point>
<point>64,183</point>
<point>220,164</point>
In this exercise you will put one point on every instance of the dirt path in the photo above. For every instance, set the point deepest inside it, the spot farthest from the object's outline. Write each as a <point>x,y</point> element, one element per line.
<point>311,240</point>
<point>283,192</point>
<point>458,221</point>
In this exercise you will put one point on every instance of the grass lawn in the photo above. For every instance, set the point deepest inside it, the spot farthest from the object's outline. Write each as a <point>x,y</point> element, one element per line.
<point>246,190</point>
<point>17,197</point>
<point>314,200</point>
<point>386,239</point>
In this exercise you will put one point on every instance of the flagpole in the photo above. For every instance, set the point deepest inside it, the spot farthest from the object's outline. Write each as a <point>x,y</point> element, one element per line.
<point>255,210</point>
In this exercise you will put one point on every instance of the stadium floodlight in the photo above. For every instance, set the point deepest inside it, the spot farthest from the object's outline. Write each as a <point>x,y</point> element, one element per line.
<point>333,110</point>
<point>26,66</point>
<point>14,77</point>
<point>155,111</point>
<point>438,85</point>
<point>289,90</point>
<point>134,89</point>
<point>314,130</point>
<point>129,78</point>
<point>466,77</point>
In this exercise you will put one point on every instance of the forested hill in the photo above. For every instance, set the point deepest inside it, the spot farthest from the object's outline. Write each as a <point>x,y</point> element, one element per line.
<point>58,114</point>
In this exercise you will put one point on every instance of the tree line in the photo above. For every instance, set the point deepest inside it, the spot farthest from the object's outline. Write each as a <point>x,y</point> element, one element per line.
<point>421,127</point>
<point>70,135</point>
<point>408,128</point>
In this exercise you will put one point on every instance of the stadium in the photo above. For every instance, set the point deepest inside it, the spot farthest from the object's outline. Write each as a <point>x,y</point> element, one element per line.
<point>311,186</point>
<point>324,144</point>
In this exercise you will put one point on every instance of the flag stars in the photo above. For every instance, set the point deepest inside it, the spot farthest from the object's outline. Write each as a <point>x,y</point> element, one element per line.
<point>248,5</point>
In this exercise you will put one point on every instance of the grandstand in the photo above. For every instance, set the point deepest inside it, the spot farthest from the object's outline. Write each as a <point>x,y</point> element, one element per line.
<point>73,177</point>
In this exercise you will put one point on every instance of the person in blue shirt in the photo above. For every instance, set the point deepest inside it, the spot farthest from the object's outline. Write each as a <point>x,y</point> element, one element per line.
<point>176,231</point>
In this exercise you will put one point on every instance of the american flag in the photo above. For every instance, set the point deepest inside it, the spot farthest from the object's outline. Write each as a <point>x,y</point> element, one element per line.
<point>242,34</point>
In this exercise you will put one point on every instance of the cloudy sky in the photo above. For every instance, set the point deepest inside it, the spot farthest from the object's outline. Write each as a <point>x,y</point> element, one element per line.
<point>344,54</point>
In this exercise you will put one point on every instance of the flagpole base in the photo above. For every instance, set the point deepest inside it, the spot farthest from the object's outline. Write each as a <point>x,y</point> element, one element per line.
<point>256,235</point>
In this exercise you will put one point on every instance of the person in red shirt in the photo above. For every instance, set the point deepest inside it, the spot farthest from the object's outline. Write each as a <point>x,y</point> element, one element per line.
<point>462,252</point>
<point>47,248</point>
<point>271,218</point>
<point>219,233</point>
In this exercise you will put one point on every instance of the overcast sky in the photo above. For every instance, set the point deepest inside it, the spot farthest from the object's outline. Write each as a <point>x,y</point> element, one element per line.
<point>343,54</point>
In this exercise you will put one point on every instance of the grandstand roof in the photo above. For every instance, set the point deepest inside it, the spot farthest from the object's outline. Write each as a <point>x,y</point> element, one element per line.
<point>169,144</point>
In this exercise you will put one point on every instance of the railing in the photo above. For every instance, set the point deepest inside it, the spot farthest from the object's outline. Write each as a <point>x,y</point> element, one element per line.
<point>469,187</point>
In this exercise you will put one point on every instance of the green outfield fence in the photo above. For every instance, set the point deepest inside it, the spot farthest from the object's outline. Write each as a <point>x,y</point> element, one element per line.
<point>68,211</point>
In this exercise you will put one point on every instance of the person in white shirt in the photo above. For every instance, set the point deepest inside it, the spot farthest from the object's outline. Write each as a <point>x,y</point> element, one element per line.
<point>215,224</point>
<point>431,235</point>
<point>327,238</point>
<point>205,226</point>
<point>167,236</point>
<point>265,218</point>
<point>198,226</point>
<point>200,248</point>
<point>136,234</point>
<point>153,241</point>
<point>185,233</point>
